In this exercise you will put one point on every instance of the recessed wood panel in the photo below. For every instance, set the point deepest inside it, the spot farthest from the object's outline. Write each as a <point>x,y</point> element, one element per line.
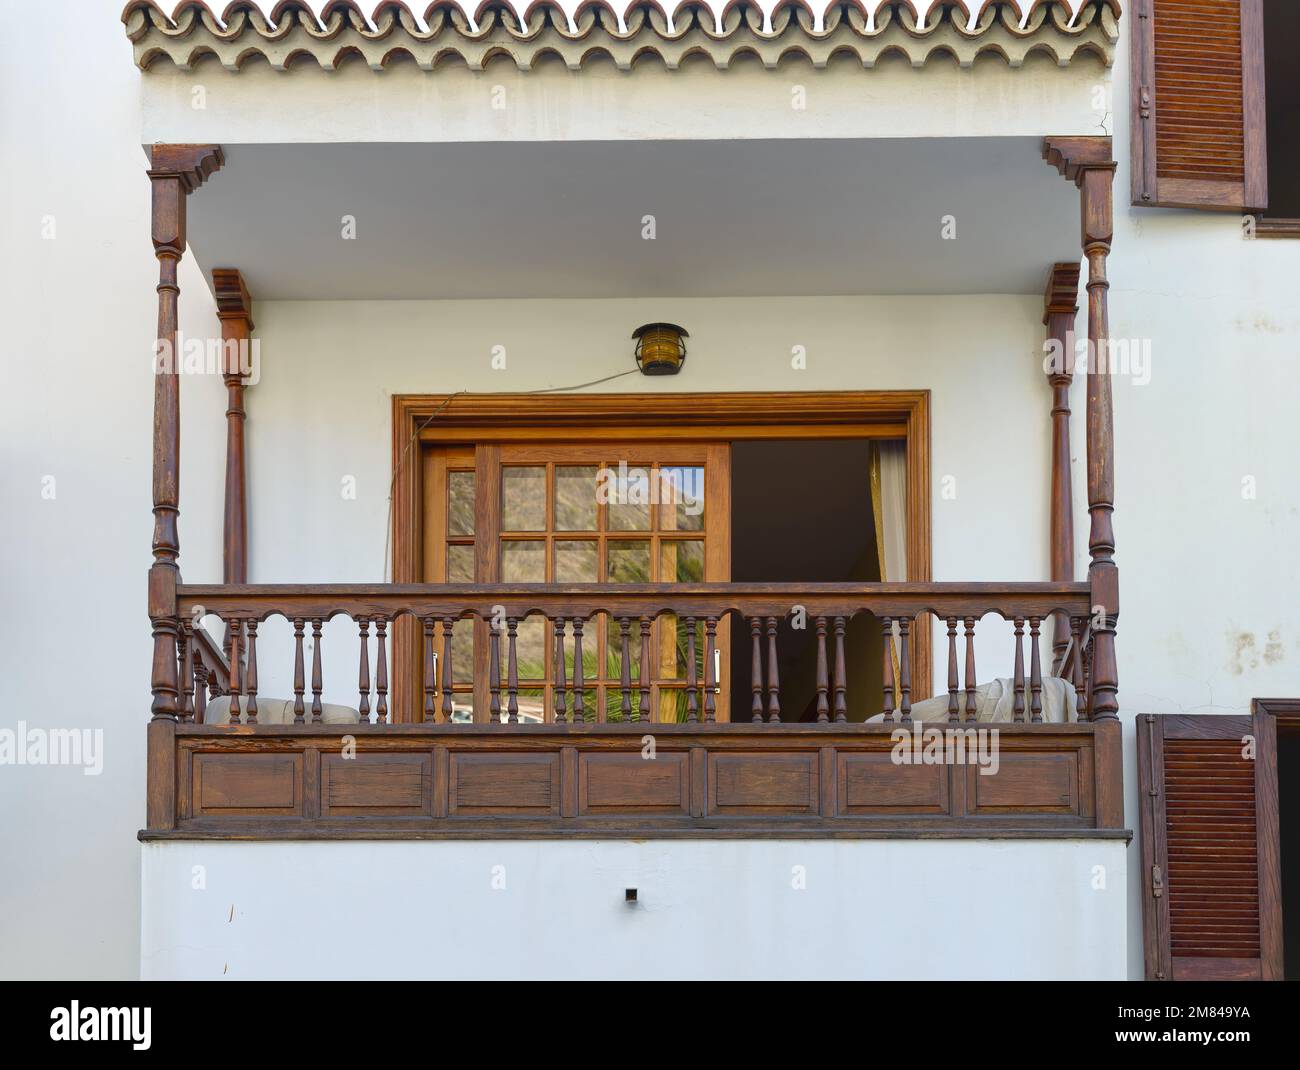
<point>875,784</point>
<point>555,781</point>
<point>376,784</point>
<point>268,785</point>
<point>504,784</point>
<point>1026,783</point>
<point>763,783</point>
<point>628,783</point>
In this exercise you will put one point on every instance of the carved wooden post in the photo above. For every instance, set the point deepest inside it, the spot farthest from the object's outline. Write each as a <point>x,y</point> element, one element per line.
<point>1060,307</point>
<point>234,309</point>
<point>1087,161</point>
<point>175,172</point>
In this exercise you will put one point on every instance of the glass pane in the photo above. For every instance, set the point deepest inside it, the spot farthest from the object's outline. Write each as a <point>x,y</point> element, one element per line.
<point>681,499</point>
<point>462,652</point>
<point>532,705</point>
<point>628,561</point>
<point>672,705</point>
<point>523,499</point>
<point>576,561</point>
<point>673,648</point>
<point>462,707</point>
<point>626,489</point>
<point>530,649</point>
<point>590,653</point>
<point>614,703</point>
<point>460,564</point>
<point>681,561</point>
<point>460,503</point>
<point>614,652</point>
<point>523,562</point>
<point>575,499</point>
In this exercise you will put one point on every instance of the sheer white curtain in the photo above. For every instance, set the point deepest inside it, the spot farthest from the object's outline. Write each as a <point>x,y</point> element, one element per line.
<point>889,504</point>
<point>889,508</point>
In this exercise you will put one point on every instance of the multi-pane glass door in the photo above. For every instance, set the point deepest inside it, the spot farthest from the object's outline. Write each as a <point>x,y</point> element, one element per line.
<point>583,513</point>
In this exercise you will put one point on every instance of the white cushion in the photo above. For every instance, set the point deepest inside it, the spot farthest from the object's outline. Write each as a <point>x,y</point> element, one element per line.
<point>995,702</point>
<point>277,711</point>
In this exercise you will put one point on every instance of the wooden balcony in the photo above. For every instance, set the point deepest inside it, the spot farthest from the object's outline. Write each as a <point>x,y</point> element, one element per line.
<point>616,767</point>
<point>665,750</point>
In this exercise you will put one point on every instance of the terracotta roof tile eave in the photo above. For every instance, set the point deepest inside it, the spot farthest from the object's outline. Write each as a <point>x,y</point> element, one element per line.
<point>1011,29</point>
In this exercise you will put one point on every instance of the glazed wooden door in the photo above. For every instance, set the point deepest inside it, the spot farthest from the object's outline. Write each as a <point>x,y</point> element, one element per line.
<point>590,512</point>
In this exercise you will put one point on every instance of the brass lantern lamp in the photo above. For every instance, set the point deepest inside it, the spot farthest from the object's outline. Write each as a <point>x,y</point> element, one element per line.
<point>660,348</point>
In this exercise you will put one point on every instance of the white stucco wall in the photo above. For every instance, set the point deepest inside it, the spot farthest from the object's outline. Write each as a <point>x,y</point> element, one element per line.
<point>341,361</point>
<point>1211,589</point>
<point>734,910</point>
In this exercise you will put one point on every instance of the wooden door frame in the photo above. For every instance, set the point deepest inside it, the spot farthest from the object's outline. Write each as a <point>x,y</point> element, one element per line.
<point>463,418</point>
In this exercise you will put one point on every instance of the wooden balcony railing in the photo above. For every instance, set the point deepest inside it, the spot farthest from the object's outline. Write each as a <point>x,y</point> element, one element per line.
<point>581,768</point>
<point>568,610</point>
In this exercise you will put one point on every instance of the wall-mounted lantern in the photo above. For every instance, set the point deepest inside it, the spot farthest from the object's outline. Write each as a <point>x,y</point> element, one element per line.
<point>660,348</point>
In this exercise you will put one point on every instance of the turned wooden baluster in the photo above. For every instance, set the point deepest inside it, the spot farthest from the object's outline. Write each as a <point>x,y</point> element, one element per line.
<point>692,677</point>
<point>969,623</point>
<point>579,691</point>
<point>381,670</point>
<point>710,676</point>
<point>448,701</point>
<point>823,676</point>
<point>363,670</point>
<point>316,685</point>
<point>1018,682</point>
<point>299,676</point>
<point>427,661</point>
<point>841,673</point>
<point>905,669</point>
<point>773,676</point>
<point>1077,677</point>
<point>186,706</point>
<point>236,629</point>
<point>1089,698</point>
<point>643,714</point>
<point>953,682</point>
<point>1035,674</point>
<point>887,667</point>
<point>560,682</point>
<point>252,672</point>
<point>512,671</point>
<point>494,672</point>
<point>625,668</point>
<point>756,669</point>
<point>200,692</point>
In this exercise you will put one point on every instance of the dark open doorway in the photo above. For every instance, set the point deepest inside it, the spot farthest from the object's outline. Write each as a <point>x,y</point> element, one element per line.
<point>801,511</point>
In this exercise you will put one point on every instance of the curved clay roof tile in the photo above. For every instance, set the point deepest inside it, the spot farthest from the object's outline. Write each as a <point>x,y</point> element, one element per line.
<point>1012,29</point>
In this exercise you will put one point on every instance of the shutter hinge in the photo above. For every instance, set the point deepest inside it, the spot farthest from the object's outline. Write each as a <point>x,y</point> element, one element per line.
<point>1157,882</point>
<point>1144,102</point>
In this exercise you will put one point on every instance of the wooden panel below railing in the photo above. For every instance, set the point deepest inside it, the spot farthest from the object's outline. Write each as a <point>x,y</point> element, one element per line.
<point>434,781</point>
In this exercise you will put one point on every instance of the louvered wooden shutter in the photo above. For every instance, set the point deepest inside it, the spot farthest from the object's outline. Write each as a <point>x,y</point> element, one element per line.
<point>1211,906</point>
<point>1197,91</point>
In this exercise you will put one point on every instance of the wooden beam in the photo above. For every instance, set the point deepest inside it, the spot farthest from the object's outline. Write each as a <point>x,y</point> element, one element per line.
<point>1060,307</point>
<point>176,171</point>
<point>1089,163</point>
